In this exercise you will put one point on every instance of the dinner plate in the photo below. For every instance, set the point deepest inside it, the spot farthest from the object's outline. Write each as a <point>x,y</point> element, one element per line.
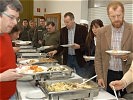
<point>29,61</point>
<point>26,78</point>
<point>26,70</point>
<point>27,50</point>
<point>44,47</point>
<point>35,94</point>
<point>117,52</point>
<point>67,45</point>
<point>23,42</point>
<point>88,58</point>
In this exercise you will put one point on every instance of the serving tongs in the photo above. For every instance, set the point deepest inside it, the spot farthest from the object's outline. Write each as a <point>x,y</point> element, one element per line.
<point>88,80</point>
<point>115,93</point>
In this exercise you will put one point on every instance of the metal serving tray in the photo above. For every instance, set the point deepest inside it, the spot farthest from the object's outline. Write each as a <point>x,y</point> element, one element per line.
<point>27,50</point>
<point>43,59</point>
<point>32,55</point>
<point>59,74</point>
<point>26,47</point>
<point>70,94</point>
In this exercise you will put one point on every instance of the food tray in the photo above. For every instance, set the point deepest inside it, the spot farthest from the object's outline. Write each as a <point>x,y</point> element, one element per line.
<point>26,47</point>
<point>70,94</point>
<point>62,72</point>
<point>27,50</point>
<point>46,60</point>
<point>32,55</point>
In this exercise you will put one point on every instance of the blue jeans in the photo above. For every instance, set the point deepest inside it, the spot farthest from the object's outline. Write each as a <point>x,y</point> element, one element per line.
<point>72,62</point>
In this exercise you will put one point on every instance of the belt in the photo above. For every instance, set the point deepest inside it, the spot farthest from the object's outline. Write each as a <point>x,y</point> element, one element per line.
<point>71,55</point>
<point>115,71</point>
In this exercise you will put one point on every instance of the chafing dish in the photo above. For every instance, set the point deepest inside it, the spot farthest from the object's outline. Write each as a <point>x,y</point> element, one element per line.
<point>27,50</point>
<point>26,47</point>
<point>32,55</point>
<point>59,72</point>
<point>47,60</point>
<point>70,94</point>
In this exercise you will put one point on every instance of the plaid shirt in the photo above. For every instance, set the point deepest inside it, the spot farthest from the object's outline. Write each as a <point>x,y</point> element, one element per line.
<point>116,63</point>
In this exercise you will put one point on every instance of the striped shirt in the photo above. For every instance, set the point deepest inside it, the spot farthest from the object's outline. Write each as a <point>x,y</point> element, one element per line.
<point>116,63</point>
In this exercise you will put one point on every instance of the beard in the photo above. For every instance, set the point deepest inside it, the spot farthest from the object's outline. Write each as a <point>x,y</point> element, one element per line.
<point>117,24</point>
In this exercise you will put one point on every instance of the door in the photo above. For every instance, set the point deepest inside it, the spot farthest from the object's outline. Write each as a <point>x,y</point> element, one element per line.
<point>55,17</point>
<point>36,19</point>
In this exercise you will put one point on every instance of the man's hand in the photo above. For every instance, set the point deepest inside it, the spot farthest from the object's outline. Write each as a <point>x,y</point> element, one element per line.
<point>101,83</point>
<point>10,75</point>
<point>52,53</point>
<point>16,49</point>
<point>118,84</point>
<point>40,42</point>
<point>75,46</point>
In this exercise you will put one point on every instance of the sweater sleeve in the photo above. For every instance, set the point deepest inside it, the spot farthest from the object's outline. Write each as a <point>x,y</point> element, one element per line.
<point>128,77</point>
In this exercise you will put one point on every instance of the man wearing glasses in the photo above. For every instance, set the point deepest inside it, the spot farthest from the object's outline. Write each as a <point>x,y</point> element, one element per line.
<point>9,16</point>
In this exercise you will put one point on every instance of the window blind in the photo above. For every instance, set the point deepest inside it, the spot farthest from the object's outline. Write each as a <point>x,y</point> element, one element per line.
<point>101,13</point>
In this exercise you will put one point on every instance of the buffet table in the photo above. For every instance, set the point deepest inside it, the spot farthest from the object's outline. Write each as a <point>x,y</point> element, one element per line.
<point>24,88</point>
<point>27,90</point>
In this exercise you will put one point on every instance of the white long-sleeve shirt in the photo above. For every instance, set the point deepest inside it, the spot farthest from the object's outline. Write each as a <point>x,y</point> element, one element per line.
<point>128,76</point>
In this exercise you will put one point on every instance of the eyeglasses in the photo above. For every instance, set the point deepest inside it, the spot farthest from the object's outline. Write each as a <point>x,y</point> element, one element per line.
<point>11,17</point>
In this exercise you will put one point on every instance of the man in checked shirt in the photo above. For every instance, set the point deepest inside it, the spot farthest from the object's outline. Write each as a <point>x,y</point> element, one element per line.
<point>116,36</point>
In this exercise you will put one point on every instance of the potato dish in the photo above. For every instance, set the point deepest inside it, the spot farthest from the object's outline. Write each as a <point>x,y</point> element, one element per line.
<point>47,60</point>
<point>64,86</point>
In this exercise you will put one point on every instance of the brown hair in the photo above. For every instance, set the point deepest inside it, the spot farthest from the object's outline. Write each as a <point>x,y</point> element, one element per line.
<point>43,18</point>
<point>69,14</point>
<point>115,5</point>
<point>90,35</point>
<point>16,28</point>
<point>12,4</point>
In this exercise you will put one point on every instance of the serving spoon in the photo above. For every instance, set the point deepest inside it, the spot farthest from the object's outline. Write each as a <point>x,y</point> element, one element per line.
<point>88,80</point>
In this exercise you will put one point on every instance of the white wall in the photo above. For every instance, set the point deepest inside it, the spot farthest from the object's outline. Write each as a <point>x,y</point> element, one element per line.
<point>39,4</point>
<point>62,6</point>
<point>84,9</point>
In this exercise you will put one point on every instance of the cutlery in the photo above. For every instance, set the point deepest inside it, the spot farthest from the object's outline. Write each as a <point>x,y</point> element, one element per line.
<point>115,93</point>
<point>88,79</point>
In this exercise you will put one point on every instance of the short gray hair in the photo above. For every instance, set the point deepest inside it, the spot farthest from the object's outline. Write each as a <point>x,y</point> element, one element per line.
<point>13,4</point>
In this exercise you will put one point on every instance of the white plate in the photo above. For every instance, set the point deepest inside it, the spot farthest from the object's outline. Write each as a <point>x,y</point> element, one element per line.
<point>23,42</point>
<point>27,71</point>
<point>67,45</point>
<point>88,58</point>
<point>35,94</point>
<point>27,50</point>
<point>29,61</point>
<point>26,47</point>
<point>26,78</point>
<point>44,47</point>
<point>118,52</point>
